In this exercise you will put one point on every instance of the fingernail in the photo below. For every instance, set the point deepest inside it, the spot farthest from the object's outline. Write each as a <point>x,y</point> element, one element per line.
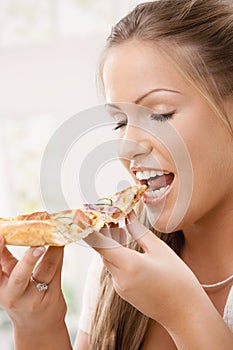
<point>38,251</point>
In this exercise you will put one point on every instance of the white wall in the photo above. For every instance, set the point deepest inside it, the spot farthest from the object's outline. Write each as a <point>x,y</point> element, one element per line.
<point>56,78</point>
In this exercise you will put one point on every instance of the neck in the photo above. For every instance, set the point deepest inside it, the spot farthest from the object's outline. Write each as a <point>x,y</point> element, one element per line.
<point>208,246</point>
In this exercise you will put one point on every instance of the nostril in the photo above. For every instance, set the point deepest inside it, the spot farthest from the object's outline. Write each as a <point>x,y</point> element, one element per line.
<point>135,149</point>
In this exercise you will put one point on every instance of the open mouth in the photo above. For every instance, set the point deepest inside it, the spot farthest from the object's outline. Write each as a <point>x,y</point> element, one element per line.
<point>157,181</point>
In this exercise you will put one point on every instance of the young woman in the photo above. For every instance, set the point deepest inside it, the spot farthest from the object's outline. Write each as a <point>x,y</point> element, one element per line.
<point>174,58</point>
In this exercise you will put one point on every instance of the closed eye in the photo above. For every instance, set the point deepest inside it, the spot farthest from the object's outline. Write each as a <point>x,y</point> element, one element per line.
<point>162,117</point>
<point>120,124</point>
<point>153,116</point>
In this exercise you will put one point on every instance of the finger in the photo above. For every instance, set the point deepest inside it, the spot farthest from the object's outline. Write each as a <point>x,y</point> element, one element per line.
<point>58,274</point>
<point>109,249</point>
<point>97,240</point>
<point>1,250</point>
<point>119,235</point>
<point>144,237</point>
<point>50,263</point>
<point>124,237</point>
<point>20,276</point>
<point>55,283</point>
<point>8,261</point>
<point>106,231</point>
<point>115,232</point>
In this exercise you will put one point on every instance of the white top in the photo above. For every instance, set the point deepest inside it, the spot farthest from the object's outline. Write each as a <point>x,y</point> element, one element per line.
<point>91,291</point>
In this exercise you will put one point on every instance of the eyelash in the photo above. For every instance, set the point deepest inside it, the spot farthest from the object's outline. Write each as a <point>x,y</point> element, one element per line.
<point>154,116</point>
<point>120,124</point>
<point>161,117</point>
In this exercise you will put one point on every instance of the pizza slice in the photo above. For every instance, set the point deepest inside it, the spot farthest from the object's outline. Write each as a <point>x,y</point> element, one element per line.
<point>58,229</point>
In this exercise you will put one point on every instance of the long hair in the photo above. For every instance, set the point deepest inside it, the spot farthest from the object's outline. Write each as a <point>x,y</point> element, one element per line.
<point>197,36</point>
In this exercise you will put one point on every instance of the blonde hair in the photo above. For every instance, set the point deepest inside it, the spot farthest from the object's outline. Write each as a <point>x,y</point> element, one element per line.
<point>197,35</point>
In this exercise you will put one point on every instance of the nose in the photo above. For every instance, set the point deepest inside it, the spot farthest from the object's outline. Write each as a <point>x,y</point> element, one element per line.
<point>135,144</point>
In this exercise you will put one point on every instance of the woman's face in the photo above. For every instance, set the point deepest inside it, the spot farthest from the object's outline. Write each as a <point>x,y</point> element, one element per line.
<point>183,141</point>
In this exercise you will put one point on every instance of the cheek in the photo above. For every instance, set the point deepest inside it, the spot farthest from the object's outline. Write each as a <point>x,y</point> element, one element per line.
<point>206,144</point>
<point>205,155</point>
<point>199,134</point>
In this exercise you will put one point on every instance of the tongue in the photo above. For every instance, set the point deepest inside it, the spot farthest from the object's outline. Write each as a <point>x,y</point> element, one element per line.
<point>162,181</point>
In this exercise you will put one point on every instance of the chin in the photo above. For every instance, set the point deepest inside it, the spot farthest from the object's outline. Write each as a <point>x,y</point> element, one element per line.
<point>163,222</point>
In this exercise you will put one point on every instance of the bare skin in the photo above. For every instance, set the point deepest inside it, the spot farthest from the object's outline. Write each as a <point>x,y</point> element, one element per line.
<point>158,282</point>
<point>184,315</point>
<point>207,223</point>
<point>34,314</point>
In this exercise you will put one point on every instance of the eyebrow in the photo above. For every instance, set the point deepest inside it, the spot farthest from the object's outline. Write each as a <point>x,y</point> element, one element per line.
<point>154,90</point>
<point>139,99</point>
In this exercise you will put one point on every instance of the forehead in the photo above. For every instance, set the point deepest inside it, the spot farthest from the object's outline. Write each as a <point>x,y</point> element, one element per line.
<point>133,68</point>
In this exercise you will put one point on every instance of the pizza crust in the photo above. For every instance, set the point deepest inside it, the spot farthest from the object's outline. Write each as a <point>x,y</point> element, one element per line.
<point>33,233</point>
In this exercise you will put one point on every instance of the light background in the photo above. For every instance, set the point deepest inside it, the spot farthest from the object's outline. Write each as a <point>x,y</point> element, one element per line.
<point>49,51</point>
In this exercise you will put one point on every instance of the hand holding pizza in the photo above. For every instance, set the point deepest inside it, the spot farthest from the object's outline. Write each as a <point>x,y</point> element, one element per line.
<point>158,283</point>
<point>32,312</point>
<point>34,299</point>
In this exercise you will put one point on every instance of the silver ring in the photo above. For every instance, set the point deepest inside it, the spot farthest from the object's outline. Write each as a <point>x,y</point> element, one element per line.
<point>41,286</point>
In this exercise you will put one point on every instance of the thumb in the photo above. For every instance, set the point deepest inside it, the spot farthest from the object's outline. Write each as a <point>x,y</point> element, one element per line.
<point>109,249</point>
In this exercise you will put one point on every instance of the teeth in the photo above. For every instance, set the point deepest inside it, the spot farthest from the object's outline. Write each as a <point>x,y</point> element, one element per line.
<point>145,175</point>
<point>154,173</point>
<point>157,193</point>
<point>140,175</point>
<point>163,189</point>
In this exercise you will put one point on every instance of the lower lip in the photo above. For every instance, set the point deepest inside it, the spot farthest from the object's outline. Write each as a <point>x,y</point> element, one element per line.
<point>157,200</point>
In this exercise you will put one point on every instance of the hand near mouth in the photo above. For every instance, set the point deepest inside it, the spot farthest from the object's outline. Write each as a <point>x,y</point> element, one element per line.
<point>161,286</point>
